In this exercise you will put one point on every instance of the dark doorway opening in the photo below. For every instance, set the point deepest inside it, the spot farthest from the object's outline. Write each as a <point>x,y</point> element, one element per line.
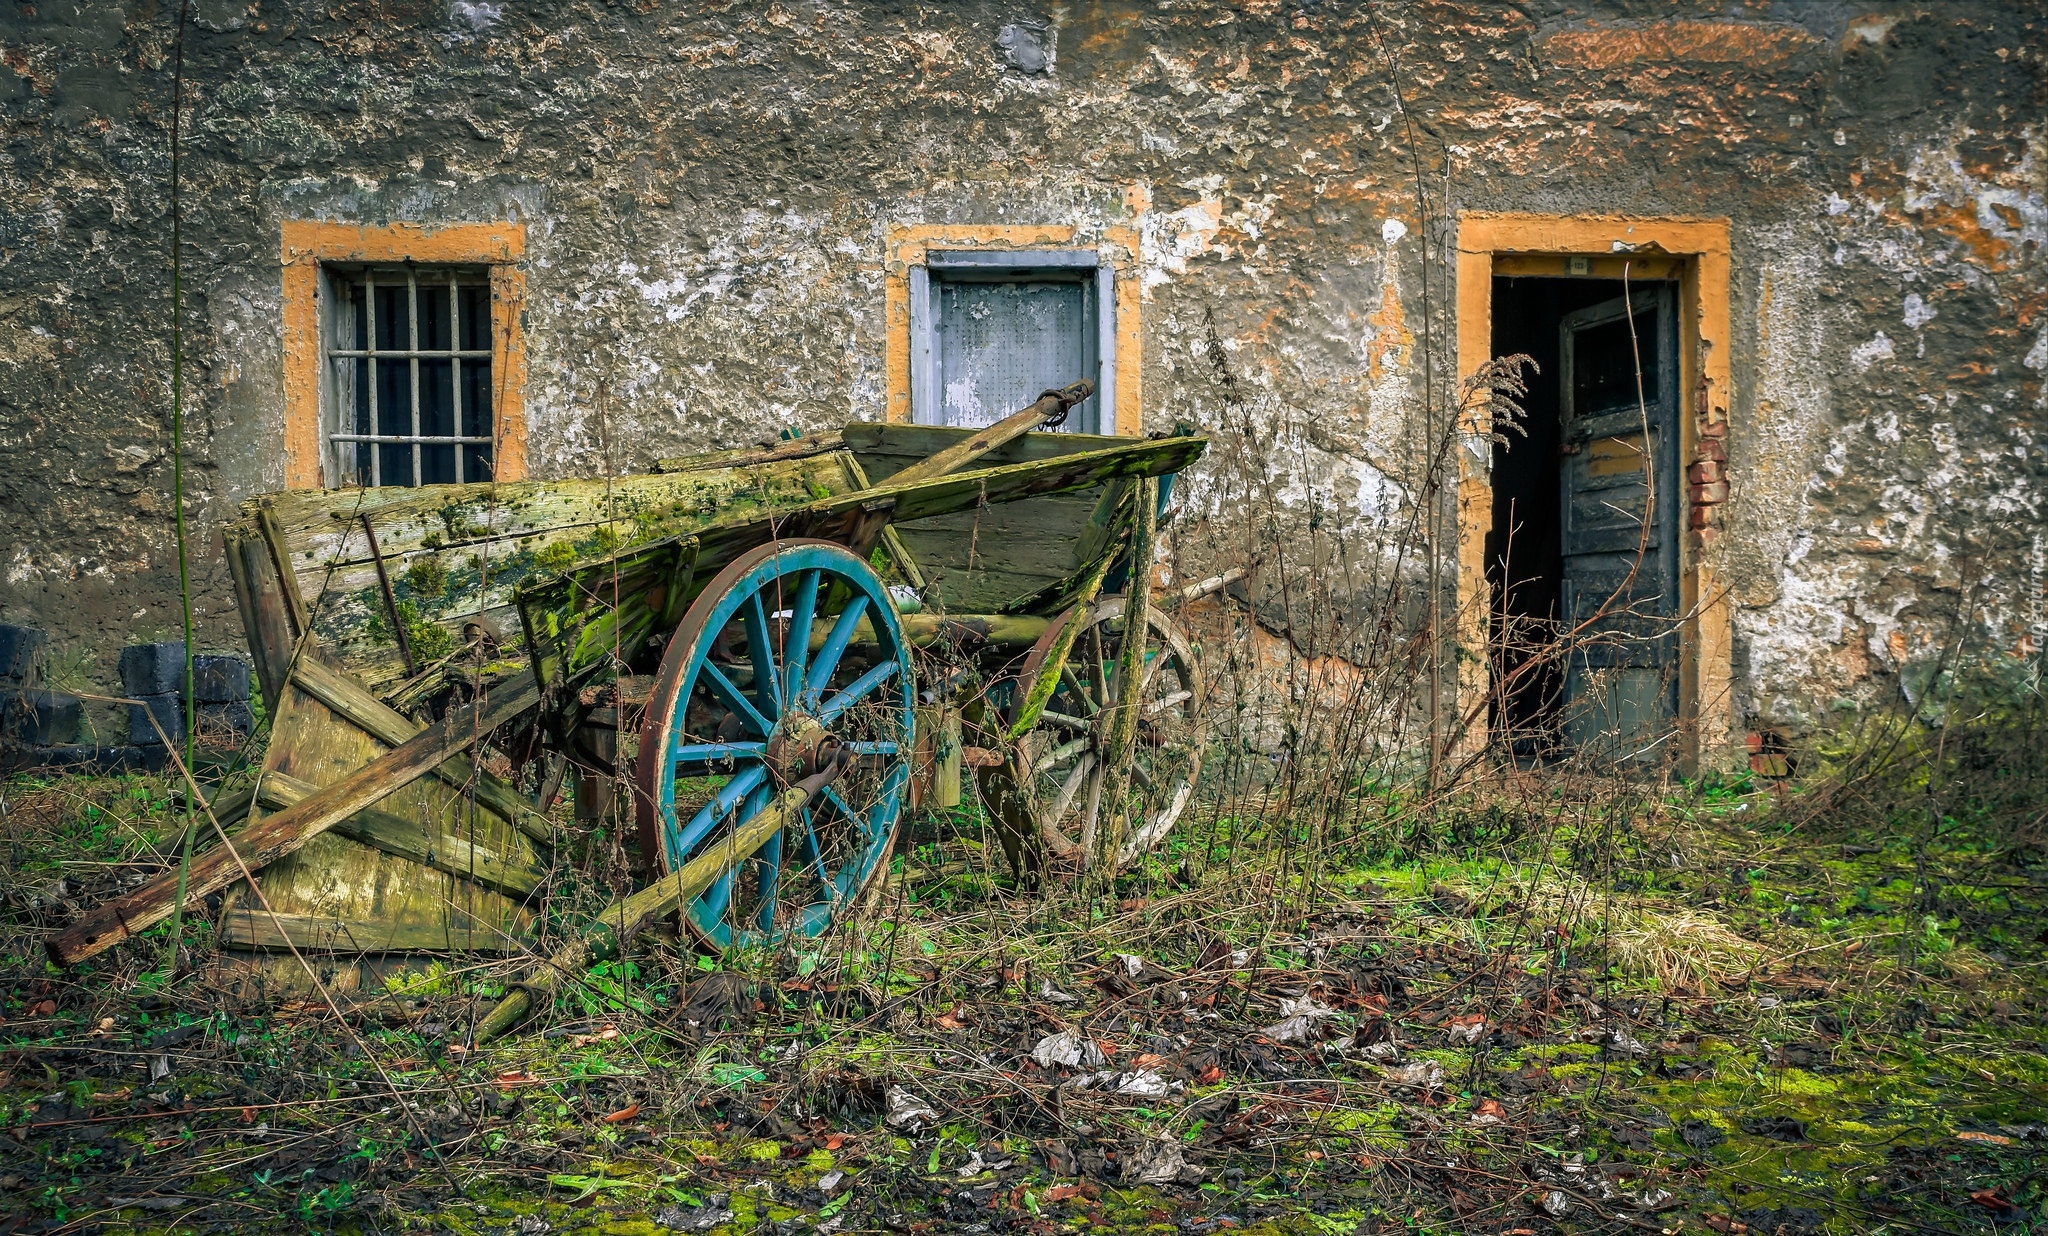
<point>1583,545</point>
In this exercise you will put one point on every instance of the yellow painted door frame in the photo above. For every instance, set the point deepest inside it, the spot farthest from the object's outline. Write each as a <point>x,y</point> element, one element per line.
<point>1696,252</point>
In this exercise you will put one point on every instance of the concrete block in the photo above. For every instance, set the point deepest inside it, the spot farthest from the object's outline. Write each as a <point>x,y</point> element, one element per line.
<point>82,757</point>
<point>21,655</point>
<point>226,722</point>
<point>153,669</point>
<point>40,718</point>
<point>219,679</point>
<point>169,711</point>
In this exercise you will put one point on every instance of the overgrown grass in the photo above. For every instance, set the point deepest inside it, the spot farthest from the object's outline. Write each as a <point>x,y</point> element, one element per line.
<point>1681,1005</point>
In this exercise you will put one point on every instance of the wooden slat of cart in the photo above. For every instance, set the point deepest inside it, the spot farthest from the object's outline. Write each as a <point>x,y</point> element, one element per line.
<point>452,552</point>
<point>399,888</point>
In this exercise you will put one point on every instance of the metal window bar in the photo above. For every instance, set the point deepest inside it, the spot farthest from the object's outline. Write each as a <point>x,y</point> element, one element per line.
<point>348,447</point>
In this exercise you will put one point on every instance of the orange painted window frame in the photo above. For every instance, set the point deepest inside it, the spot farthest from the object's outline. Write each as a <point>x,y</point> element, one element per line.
<point>1697,251</point>
<point>1118,246</point>
<point>306,246</point>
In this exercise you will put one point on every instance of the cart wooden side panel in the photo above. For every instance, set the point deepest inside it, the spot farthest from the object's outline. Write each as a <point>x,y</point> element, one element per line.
<point>450,553</point>
<point>446,862</point>
<point>997,558</point>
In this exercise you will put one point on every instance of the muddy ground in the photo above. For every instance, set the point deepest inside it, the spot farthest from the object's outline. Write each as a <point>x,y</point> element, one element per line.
<point>1569,1010</point>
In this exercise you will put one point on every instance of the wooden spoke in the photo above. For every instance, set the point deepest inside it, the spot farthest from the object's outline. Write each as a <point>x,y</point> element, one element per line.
<point>858,691</point>
<point>1087,701</point>
<point>1071,785</point>
<point>735,700</point>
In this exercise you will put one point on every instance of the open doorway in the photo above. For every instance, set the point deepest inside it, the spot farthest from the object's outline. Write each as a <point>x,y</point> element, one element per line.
<point>1582,555</point>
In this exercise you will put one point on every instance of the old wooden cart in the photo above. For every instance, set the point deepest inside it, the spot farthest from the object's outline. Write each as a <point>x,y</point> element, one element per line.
<point>772,648</point>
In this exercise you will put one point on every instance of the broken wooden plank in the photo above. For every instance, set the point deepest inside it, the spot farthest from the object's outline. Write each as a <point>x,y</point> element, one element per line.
<point>444,845</point>
<point>353,701</point>
<point>254,927</point>
<point>265,618</point>
<point>273,837</point>
<point>337,877</point>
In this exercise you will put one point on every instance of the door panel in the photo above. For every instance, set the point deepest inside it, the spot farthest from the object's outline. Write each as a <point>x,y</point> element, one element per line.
<point>1619,520</point>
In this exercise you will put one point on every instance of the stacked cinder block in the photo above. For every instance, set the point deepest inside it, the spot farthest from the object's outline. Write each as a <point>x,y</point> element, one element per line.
<point>30,716</point>
<point>41,728</point>
<point>154,675</point>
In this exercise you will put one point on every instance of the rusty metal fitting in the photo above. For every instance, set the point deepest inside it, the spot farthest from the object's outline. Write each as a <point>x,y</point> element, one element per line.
<point>1067,396</point>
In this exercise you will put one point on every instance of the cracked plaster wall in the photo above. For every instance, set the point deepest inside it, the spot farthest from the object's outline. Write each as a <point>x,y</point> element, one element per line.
<point>707,189</point>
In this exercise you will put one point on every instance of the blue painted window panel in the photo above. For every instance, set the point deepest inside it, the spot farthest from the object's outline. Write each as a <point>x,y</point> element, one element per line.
<point>991,331</point>
<point>1001,344</point>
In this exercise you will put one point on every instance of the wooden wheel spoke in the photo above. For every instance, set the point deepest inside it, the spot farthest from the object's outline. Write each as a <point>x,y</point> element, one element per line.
<point>1065,751</point>
<point>1073,680</point>
<point>735,699</point>
<point>859,689</point>
<point>718,752</point>
<point>767,678</point>
<point>851,869</point>
<point>1065,721</point>
<point>1158,706</point>
<point>1071,786</point>
<point>1092,813</point>
<point>817,854</point>
<point>827,662</point>
<point>1105,696</point>
<point>832,796</point>
<point>707,817</point>
<point>718,896</point>
<point>796,642</point>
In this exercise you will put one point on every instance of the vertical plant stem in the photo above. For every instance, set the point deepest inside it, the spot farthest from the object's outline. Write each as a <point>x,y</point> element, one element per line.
<point>178,465</point>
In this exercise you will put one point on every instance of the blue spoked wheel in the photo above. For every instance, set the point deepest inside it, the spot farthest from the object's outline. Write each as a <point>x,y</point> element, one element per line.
<point>793,650</point>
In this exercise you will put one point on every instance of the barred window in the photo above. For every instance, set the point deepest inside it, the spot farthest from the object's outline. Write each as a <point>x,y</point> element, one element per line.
<point>409,367</point>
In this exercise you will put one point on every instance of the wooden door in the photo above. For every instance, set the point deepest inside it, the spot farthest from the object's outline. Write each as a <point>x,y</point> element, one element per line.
<point>1620,482</point>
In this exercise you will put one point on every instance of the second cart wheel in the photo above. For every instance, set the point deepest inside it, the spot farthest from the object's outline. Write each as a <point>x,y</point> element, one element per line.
<point>1068,778</point>
<point>792,652</point>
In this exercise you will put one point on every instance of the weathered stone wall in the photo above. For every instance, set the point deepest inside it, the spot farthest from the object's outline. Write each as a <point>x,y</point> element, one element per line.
<point>707,188</point>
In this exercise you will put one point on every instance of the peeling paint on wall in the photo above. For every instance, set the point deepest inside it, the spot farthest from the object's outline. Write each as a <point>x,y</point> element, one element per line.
<point>708,191</point>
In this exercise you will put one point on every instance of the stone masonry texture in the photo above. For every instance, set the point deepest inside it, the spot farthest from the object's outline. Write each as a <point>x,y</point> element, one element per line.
<point>707,189</point>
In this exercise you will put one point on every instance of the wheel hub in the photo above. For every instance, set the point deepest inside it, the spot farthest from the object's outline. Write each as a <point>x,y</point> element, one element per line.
<point>799,747</point>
